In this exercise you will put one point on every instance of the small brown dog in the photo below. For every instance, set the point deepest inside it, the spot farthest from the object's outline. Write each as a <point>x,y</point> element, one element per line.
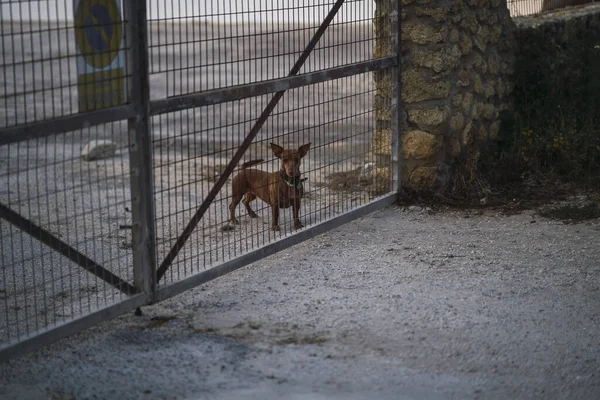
<point>280,189</point>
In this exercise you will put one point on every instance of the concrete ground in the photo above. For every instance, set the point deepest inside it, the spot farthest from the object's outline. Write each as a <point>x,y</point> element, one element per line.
<point>402,304</point>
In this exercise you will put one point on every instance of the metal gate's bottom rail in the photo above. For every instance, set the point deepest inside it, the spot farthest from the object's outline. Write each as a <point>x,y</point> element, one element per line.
<point>52,334</point>
<point>176,288</point>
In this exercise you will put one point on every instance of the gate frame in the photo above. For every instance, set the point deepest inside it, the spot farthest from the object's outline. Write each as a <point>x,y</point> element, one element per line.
<point>137,112</point>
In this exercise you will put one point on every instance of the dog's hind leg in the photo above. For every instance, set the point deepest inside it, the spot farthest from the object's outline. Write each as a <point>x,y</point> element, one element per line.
<point>248,197</point>
<point>235,200</point>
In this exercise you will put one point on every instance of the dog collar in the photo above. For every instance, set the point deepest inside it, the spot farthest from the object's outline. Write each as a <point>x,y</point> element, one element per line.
<point>292,181</point>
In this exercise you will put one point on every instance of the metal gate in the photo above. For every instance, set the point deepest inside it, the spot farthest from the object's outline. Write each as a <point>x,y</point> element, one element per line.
<point>184,94</point>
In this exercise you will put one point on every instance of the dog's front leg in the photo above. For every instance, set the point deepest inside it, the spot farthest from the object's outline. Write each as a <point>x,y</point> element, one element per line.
<point>296,212</point>
<point>275,217</point>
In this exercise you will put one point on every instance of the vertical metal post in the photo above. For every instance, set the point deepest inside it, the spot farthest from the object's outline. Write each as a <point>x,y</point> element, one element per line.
<point>140,153</point>
<point>397,112</point>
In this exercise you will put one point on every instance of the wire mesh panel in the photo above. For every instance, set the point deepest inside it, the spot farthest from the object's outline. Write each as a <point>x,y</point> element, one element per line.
<point>43,48</point>
<point>198,46</point>
<point>66,246</point>
<point>335,117</point>
<point>54,205</point>
<point>210,47</point>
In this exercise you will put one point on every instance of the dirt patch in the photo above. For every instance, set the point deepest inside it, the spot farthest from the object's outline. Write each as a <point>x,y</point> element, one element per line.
<point>213,172</point>
<point>572,212</point>
<point>301,340</point>
<point>346,181</point>
<point>154,322</point>
<point>280,334</point>
<point>356,181</point>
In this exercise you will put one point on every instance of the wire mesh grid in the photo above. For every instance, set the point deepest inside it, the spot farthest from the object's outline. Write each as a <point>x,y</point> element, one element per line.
<point>519,8</point>
<point>335,117</point>
<point>199,46</point>
<point>84,205</point>
<point>218,48</point>
<point>44,49</point>
<point>51,201</point>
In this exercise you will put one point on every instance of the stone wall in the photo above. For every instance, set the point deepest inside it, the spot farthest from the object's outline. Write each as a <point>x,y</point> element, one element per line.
<point>456,79</point>
<point>467,67</point>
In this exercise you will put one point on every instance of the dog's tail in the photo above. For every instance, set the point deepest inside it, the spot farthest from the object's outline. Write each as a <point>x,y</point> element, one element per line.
<point>251,163</point>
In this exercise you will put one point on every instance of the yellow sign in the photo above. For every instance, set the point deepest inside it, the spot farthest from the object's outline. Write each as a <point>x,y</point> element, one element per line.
<point>101,59</point>
<point>98,31</point>
<point>101,89</point>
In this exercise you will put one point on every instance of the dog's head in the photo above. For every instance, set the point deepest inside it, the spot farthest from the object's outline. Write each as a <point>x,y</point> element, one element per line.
<point>290,159</point>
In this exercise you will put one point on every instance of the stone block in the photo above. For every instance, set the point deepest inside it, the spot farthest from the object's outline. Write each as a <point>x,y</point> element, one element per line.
<point>423,177</point>
<point>493,64</point>
<point>416,87</point>
<point>469,23</point>
<point>500,88</point>
<point>489,112</point>
<point>477,110</point>
<point>457,122</point>
<point>454,35</point>
<point>382,141</point>
<point>98,149</point>
<point>467,134</point>
<point>423,33</point>
<point>436,13</point>
<point>479,43</point>
<point>464,78</point>
<point>420,145</point>
<point>489,90</point>
<point>478,86</point>
<point>480,63</point>
<point>427,116</point>
<point>494,34</point>
<point>466,44</point>
<point>454,147</point>
<point>481,37</point>
<point>466,102</point>
<point>439,61</point>
<point>457,100</point>
<point>493,131</point>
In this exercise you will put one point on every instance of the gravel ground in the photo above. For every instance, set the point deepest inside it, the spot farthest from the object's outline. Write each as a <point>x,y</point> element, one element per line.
<point>402,304</point>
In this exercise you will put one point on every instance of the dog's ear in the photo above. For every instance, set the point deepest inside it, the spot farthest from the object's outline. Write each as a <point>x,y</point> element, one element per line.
<point>277,150</point>
<point>304,149</point>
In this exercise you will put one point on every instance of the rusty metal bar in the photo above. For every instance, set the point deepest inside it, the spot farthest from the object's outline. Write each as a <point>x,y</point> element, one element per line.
<point>398,112</point>
<point>36,130</point>
<point>65,249</point>
<point>164,266</point>
<point>140,151</point>
<point>216,96</point>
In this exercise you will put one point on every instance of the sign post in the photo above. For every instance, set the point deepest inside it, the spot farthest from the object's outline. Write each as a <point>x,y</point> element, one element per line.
<point>100,54</point>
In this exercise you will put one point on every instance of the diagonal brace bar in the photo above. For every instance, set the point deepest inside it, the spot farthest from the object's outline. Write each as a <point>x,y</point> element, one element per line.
<point>66,250</point>
<point>164,266</point>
